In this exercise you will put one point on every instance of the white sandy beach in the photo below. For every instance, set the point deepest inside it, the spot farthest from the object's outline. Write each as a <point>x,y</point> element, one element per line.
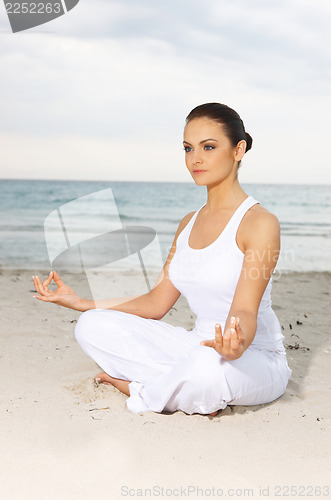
<point>64,438</point>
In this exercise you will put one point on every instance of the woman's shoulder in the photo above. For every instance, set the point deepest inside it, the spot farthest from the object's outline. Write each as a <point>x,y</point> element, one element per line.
<point>258,213</point>
<point>258,223</point>
<point>185,220</point>
<point>183,223</point>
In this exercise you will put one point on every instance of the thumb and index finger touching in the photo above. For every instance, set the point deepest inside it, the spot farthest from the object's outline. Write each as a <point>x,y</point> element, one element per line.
<point>44,284</point>
<point>42,287</point>
<point>56,277</point>
<point>53,276</point>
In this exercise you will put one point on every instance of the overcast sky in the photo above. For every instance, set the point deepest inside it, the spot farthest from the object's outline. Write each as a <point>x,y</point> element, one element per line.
<point>102,92</point>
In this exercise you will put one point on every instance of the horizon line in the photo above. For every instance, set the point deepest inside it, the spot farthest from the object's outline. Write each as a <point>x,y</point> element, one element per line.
<point>156,182</point>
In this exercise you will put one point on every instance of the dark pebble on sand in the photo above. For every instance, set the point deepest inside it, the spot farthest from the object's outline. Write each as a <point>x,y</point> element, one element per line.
<point>297,346</point>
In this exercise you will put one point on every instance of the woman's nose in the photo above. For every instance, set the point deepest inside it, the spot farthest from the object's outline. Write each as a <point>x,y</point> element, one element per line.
<point>196,158</point>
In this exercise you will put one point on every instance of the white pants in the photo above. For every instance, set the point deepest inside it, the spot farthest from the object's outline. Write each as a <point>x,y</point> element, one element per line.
<point>169,370</point>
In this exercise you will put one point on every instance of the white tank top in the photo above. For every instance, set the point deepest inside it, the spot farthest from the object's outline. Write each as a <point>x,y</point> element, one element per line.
<point>208,277</point>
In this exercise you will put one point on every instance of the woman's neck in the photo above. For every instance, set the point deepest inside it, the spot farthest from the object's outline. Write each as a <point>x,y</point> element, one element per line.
<point>222,197</point>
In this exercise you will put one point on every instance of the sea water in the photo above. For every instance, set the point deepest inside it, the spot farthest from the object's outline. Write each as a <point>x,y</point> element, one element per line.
<point>92,210</point>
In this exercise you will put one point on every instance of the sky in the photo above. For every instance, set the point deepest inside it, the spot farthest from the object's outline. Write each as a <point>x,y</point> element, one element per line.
<point>102,92</point>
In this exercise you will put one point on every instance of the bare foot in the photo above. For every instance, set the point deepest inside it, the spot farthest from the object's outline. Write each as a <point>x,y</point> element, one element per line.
<point>120,384</point>
<point>104,378</point>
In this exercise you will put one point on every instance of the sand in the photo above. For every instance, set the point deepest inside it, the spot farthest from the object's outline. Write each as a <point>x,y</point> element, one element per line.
<point>62,437</point>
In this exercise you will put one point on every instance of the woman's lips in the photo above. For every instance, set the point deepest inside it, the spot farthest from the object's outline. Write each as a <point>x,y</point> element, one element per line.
<point>199,171</point>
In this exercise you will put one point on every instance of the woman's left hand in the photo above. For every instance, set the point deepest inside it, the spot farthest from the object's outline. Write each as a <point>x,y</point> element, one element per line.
<point>230,345</point>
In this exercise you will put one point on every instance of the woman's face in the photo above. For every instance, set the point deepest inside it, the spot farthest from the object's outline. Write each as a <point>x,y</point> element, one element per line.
<point>209,154</point>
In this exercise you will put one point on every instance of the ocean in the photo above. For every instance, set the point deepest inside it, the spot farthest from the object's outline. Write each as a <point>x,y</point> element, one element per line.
<point>47,224</point>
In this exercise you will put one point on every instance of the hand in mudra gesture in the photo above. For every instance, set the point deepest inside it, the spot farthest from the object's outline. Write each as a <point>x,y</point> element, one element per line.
<point>63,295</point>
<point>231,345</point>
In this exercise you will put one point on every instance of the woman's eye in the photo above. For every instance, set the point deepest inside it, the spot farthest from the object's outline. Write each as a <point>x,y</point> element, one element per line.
<point>209,147</point>
<point>187,149</point>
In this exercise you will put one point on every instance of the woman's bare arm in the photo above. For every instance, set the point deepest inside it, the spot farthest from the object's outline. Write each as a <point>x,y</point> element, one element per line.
<point>262,249</point>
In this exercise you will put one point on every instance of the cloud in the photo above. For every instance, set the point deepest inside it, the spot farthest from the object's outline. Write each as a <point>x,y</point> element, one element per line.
<point>127,74</point>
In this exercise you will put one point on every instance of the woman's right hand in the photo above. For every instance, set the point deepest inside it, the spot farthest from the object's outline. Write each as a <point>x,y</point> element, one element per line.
<point>63,295</point>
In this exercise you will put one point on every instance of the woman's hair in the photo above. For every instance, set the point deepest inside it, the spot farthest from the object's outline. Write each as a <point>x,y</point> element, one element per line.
<point>232,124</point>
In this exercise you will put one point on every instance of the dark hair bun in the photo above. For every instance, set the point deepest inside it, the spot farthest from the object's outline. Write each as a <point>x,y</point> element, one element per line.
<point>249,141</point>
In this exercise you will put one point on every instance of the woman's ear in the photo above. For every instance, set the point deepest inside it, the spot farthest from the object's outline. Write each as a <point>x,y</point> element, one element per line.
<point>240,150</point>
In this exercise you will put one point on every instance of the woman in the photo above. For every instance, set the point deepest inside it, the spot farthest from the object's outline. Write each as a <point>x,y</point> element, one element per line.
<point>222,259</point>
